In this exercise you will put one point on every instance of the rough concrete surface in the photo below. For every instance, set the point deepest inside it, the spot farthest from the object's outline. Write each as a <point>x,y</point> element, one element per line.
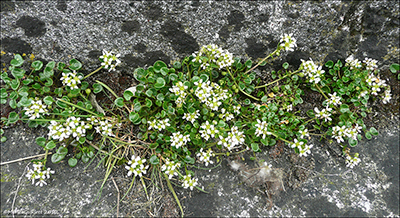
<point>143,32</point>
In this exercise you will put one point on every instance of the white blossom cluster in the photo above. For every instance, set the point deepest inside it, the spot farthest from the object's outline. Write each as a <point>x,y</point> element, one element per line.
<point>371,64</point>
<point>208,130</point>
<point>334,99</point>
<point>312,71</point>
<point>262,128</point>
<point>353,63</point>
<point>287,42</point>
<point>340,133</point>
<point>236,109</point>
<point>170,167</point>
<point>304,149</point>
<point>158,124</point>
<point>387,97</point>
<point>324,113</point>
<point>39,173</point>
<point>36,109</point>
<point>71,80</point>
<point>304,133</point>
<point>109,60</point>
<point>178,140</point>
<point>191,117</point>
<point>136,166</point>
<point>205,156</point>
<point>188,182</point>
<point>375,83</point>
<point>235,137</point>
<point>211,94</point>
<point>104,127</point>
<point>212,54</point>
<point>73,126</point>
<point>179,90</point>
<point>225,115</point>
<point>352,161</point>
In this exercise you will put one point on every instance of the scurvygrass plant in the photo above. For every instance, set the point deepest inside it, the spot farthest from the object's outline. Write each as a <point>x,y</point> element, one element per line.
<point>205,107</point>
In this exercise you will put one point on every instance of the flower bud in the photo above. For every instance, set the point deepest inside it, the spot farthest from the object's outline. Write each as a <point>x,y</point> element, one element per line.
<point>223,73</point>
<point>87,91</point>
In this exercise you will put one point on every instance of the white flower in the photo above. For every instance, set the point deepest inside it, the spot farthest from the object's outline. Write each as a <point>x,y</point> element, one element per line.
<point>387,97</point>
<point>188,182</point>
<point>36,109</point>
<point>71,80</point>
<point>262,129</point>
<point>352,161</point>
<point>304,133</point>
<point>334,99</point>
<point>305,151</point>
<point>353,63</point>
<point>287,42</point>
<point>296,144</point>
<point>39,173</point>
<point>109,60</point>
<point>178,140</point>
<point>205,156</point>
<point>136,166</point>
<point>371,64</point>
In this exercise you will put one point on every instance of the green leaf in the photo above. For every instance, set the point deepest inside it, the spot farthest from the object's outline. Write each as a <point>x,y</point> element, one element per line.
<point>60,66</point>
<point>164,71</point>
<point>264,98</point>
<point>37,65</point>
<point>17,61</point>
<point>368,135</point>
<point>128,95</point>
<point>149,93</point>
<point>329,64</point>
<point>49,82</point>
<point>353,142</point>
<point>3,93</point>
<point>82,140</point>
<point>51,64</point>
<point>373,131</point>
<point>177,65</point>
<point>24,102</point>
<point>14,84</point>
<point>285,65</point>
<point>119,102</point>
<point>18,73</point>
<point>158,65</point>
<point>134,117</point>
<point>41,141</point>
<point>154,160</point>
<point>3,139</point>
<point>48,100</point>
<point>36,86</point>
<point>72,162</point>
<point>173,76</point>
<point>344,108</point>
<point>13,103</point>
<point>56,158</point>
<point>97,88</point>
<point>254,147</point>
<point>394,68</point>
<point>248,63</point>
<point>160,83</point>
<point>62,150</point>
<point>74,64</point>
<point>50,145</point>
<point>189,159</point>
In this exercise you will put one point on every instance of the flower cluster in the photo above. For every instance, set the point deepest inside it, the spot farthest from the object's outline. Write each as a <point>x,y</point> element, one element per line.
<point>304,133</point>
<point>39,173</point>
<point>353,63</point>
<point>179,90</point>
<point>352,161</point>
<point>211,94</point>
<point>324,113</point>
<point>339,133</point>
<point>375,83</point>
<point>312,71</point>
<point>304,149</point>
<point>109,60</point>
<point>371,64</point>
<point>204,156</point>
<point>136,166</point>
<point>71,80</point>
<point>225,115</point>
<point>208,129</point>
<point>233,138</point>
<point>72,126</point>
<point>334,99</point>
<point>188,182</point>
<point>262,129</point>
<point>288,43</point>
<point>170,167</point>
<point>35,109</point>
<point>387,97</point>
<point>191,117</point>
<point>158,124</point>
<point>178,139</point>
<point>213,55</point>
<point>104,128</point>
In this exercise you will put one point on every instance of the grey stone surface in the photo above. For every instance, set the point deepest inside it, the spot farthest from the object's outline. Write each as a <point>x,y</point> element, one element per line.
<point>143,32</point>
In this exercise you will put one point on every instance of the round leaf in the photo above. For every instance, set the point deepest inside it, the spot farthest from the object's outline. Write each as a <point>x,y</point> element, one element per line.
<point>134,117</point>
<point>119,102</point>
<point>41,141</point>
<point>56,158</point>
<point>13,117</point>
<point>75,64</point>
<point>18,73</point>
<point>97,88</point>
<point>164,71</point>
<point>72,162</point>
<point>158,65</point>
<point>17,61</point>
<point>373,131</point>
<point>154,160</point>
<point>160,83</point>
<point>50,145</point>
<point>254,147</point>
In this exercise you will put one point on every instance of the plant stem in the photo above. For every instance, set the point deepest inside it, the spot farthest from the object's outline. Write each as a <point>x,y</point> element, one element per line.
<point>257,87</point>
<point>240,88</point>
<point>173,193</point>
<point>25,158</point>
<point>270,55</point>
<point>93,72</point>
